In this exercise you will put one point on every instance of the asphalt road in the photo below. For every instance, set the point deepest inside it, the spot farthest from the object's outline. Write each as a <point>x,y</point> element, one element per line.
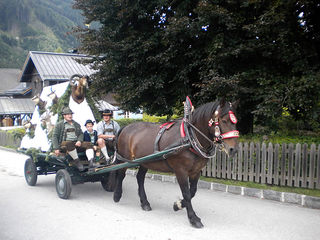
<point>34,213</point>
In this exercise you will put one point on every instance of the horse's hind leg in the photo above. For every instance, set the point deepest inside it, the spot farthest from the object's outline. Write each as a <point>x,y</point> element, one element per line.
<point>141,191</point>
<point>184,186</point>
<point>118,189</point>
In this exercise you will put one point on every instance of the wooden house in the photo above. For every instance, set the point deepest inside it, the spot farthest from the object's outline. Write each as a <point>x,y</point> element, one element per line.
<point>43,69</point>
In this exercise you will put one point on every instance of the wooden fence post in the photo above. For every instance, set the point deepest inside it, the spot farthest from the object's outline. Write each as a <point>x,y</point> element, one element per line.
<point>276,164</point>
<point>283,164</point>
<point>234,166</point>
<point>245,162</point>
<point>251,160</point>
<point>297,165</point>
<point>224,165</point>
<point>218,164</point>
<point>270,163</point>
<point>304,163</point>
<point>290,165</point>
<point>263,163</point>
<point>318,168</point>
<point>311,166</point>
<point>258,162</point>
<point>229,168</point>
<point>214,165</point>
<point>239,177</point>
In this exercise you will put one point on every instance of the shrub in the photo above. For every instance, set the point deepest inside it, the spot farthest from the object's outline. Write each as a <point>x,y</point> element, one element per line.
<point>126,121</point>
<point>17,133</point>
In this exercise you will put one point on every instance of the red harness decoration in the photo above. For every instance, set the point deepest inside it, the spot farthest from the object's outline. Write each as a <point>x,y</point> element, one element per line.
<point>231,134</point>
<point>233,118</point>
<point>182,132</point>
<point>167,125</point>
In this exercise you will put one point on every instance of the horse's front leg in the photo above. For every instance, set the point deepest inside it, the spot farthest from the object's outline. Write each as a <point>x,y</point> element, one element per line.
<point>118,189</point>
<point>193,180</point>
<point>186,193</point>
<point>141,191</point>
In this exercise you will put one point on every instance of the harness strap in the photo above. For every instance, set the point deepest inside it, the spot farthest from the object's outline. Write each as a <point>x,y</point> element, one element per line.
<point>156,142</point>
<point>163,128</point>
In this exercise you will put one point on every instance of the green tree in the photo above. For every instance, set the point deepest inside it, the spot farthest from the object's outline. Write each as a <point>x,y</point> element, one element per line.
<point>156,52</point>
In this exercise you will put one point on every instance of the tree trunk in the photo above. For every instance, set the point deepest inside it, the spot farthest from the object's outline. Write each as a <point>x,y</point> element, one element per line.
<point>245,124</point>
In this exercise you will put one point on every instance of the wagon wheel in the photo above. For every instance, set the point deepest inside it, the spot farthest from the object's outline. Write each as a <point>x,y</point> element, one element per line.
<point>108,181</point>
<point>30,172</point>
<point>63,184</point>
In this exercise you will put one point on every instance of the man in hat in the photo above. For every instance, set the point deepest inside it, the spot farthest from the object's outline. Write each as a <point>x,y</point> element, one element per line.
<point>68,135</point>
<point>107,130</point>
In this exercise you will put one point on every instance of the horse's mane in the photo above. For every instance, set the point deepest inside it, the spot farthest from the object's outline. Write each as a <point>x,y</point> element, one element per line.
<point>206,111</point>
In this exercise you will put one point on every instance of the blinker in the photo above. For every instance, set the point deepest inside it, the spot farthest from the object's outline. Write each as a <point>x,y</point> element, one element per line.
<point>233,118</point>
<point>217,131</point>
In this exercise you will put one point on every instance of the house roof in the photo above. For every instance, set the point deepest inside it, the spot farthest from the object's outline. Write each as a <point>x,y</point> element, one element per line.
<point>54,66</point>
<point>22,89</point>
<point>9,78</point>
<point>103,105</point>
<point>13,106</point>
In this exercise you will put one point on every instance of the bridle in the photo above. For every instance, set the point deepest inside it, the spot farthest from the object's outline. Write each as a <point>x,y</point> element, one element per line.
<point>217,131</point>
<point>218,139</point>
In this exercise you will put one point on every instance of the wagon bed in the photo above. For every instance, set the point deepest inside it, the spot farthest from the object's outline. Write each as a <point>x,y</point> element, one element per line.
<point>68,175</point>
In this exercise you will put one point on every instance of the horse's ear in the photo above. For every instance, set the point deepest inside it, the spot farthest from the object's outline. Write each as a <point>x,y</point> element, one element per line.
<point>222,102</point>
<point>235,104</point>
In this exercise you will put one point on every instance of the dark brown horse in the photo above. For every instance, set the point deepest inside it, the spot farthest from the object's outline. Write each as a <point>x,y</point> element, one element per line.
<point>210,125</point>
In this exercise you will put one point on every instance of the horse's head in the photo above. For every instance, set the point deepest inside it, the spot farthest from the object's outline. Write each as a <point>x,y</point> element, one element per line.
<point>223,127</point>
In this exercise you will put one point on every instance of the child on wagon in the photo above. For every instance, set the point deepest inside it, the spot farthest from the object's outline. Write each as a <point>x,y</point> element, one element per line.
<point>91,135</point>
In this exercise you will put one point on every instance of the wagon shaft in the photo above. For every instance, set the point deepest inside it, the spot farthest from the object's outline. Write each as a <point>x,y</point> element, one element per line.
<point>136,162</point>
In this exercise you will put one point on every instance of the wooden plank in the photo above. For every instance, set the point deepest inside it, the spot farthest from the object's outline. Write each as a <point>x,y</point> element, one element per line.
<point>283,165</point>
<point>297,166</point>
<point>224,164</point>
<point>214,165</point>
<point>209,168</point>
<point>229,169</point>
<point>263,163</point>
<point>234,167</point>
<point>251,161</point>
<point>245,161</point>
<point>239,177</point>
<point>270,163</point>
<point>318,169</point>
<point>304,162</point>
<point>312,166</point>
<point>218,164</point>
<point>290,165</point>
<point>204,170</point>
<point>258,162</point>
<point>276,164</point>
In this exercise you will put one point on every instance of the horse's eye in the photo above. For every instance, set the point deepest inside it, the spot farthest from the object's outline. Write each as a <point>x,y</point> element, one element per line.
<point>224,121</point>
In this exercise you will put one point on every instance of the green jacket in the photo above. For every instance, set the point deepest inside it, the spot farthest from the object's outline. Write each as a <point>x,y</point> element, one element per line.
<point>58,134</point>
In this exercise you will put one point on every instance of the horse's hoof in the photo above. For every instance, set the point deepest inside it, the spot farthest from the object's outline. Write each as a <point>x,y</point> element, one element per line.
<point>197,224</point>
<point>116,197</point>
<point>146,207</point>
